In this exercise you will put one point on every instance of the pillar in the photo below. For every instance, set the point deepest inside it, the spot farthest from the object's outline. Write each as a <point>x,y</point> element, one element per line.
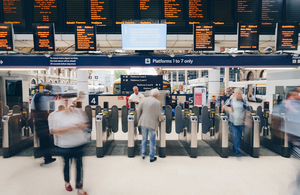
<point>82,85</point>
<point>199,73</point>
<point>177,76</point>
<point>185,80</point>
<point>213,82</point>
<point>172,85</point>
<point>226,77</point>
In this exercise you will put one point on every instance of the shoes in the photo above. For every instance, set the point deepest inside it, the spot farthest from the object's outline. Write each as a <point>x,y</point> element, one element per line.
<point>238,155</point>
<point>81,192</point>
<point>68,187</point>
<point>50,161</point>
<point>143,157</point>
<point>153,159</point>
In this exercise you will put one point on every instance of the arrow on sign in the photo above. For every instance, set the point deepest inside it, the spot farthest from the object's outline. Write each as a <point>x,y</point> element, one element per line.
<point>1,61</point>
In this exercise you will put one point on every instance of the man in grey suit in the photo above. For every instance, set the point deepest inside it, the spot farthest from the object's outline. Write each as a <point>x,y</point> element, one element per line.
<point>149,113</point>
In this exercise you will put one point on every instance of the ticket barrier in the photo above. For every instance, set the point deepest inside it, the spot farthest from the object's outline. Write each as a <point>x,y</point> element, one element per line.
<point>165,127</point>
<point>216,126</point>
<point>106,124</point>
<point>274,137</point>
<point>186,125</point>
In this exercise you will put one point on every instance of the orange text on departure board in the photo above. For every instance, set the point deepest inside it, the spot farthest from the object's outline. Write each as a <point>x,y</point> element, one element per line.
<point>203,37</point>
<point>84,38</point>
<point>194,9</point>
<point>45,7</point>
<point>287,36</point>
<point>266,9</point>
<point>3,38</point>
<point>245,32</point>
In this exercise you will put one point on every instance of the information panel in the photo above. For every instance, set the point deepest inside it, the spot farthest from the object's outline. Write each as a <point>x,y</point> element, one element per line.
<point>43,36</point>
<point>204,37</point>
<point>45,11</point>
<point>270,15</point>
<point>248,37</point>
<point>143,82</point>
<point>286,36</point>
<point>247,11</point>
<point>85,38</point>
<point>174,13</point>
<point>76,13</point>
<point>13,13</point>
<point>224,16</point>
<point>292,11</point>
<point>6,37</point>
<point>199,11</point>
<point>150,9</point>
<point>124,12</point>
<point>101,12</point>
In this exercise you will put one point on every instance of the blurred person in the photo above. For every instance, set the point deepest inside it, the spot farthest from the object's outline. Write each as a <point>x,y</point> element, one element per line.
<point>40,111</point>
<point>220,99</point>
<point>136,97</point>
<point>213,99</point>
<point>148,115</point>
<point>67,125</point>
<point>79,98</point>
<point>169,100</point>
<point>237,108</point>
<point>227,95</point>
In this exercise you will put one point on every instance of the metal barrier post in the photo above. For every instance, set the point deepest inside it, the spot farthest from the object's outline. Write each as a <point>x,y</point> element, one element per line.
<point>5,137</point>
<point>194,144</point>
<point>99,139</point>
<point>162,140</point>
<point>131,135</point>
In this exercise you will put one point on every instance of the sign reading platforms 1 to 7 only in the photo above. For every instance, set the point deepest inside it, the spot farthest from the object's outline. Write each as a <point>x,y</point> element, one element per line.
<point>6,37</point>
<point>43,36</point>
<point>248,36</point>
<point>143,82</point>
<point>286,36</point>
<point>204,37</point>
<point>85,38</point>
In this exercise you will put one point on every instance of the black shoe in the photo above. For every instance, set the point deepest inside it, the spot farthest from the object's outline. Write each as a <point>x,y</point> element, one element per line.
<point>143,157</point>
<point>50,161</point>
<point>238,155</point>
<point>152,160</point>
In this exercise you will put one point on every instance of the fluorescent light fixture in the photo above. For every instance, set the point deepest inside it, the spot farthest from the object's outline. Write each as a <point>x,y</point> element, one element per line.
<point>21,69</point>
<point>186,68</point>
<point>254,68</point>
<point>115,68</point>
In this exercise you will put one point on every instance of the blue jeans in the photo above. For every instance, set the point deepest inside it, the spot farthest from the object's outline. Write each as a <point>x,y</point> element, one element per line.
<point>237,136</point>
<point>152,134</point>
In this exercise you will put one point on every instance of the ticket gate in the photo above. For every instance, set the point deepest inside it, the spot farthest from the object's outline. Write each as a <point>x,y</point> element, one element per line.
<point>186,125</point>
<point>106,124</point>
<point>216,127</point>
<point>274,137</point>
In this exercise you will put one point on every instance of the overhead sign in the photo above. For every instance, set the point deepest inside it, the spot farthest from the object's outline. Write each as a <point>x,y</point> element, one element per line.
<point>43,36</point>
<point>204,37</point>
<point>6,37</point>
<point>85,38</point>
<point>248,37</point>
<point>143,82</point>
<point>287,36</point>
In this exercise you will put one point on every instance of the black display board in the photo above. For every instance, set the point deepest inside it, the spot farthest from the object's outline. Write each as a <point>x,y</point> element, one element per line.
<point>247,11</point>
<point>224,16</point>
<point>271,13</point>
<point>204,37</point>
<point>85,38</point>
<point>292,13</point>
<point>248,36</point>
<point>124,11</point>
<point>143,82</point>
<point>286,36</point>
<point>76,13</point>
<point>101,15</point>
<point>6,37</point>
<point>14,12</point>
<point>175,15</point>
<point>149,9</point>
<point>199,12</point>
<point>43,36</point>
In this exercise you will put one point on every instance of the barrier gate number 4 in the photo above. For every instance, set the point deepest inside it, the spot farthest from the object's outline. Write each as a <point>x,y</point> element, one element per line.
<point>93,99</point>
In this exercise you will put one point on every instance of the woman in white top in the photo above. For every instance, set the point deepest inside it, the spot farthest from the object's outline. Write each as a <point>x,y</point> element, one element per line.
<point>67,125</point>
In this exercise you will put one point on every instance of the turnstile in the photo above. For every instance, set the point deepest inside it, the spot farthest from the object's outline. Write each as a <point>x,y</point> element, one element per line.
<point>165,127</point>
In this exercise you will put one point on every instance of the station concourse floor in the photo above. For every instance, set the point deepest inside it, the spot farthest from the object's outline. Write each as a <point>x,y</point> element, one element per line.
<point>118,175</point>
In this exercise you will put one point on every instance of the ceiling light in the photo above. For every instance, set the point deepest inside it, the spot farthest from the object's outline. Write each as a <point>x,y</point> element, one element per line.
<point>21,69</point>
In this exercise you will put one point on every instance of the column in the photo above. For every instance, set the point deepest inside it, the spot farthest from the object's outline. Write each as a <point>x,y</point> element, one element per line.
<point>185,80</point>
<point>199,73</point>
<point>226,77</point>
<point>213,82</point>
<point>82,85</point>
<point>177,76</point>
<point>171,79</point>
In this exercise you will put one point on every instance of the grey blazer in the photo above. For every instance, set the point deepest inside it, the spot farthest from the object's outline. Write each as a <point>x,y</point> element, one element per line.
<point>149,113</point>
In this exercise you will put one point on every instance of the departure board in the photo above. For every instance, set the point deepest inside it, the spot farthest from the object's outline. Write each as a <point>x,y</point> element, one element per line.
<point>85,38</point>
<point>6,37</point>
<point>149,9</point>
<point>45,11</point>
<point>286,36</point>
<point>247,11</point>
<point>76,13</point>
<point>199,11</point>
<point>43,36</point>
<point>292,11</point>
<point>204,37</point>
<point>101,13</point>
<point>174,13</point>
<point>248,37</point>
<point>13,13</point>
<point>270,15</point>
<point>224,16</point>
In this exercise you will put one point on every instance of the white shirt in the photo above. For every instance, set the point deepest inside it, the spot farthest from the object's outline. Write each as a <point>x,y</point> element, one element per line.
<point>137,98</point>
<point>63,119</point>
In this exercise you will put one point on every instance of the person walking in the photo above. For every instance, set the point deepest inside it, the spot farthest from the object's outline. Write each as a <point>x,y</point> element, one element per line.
<point>237,108</point>
<point>149,113</point>
<point>67,125</point>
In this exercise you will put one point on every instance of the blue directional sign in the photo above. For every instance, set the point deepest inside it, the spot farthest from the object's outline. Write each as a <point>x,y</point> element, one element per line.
<point>93,100</point>
<point>96,77</point>
<point>143,82</point>
<point>90,77</point>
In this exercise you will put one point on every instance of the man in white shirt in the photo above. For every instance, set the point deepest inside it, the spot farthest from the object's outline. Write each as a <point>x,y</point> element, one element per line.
<point>136,97</point>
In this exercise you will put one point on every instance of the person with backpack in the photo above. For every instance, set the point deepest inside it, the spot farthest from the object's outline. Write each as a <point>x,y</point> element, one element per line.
<point>237,108</point>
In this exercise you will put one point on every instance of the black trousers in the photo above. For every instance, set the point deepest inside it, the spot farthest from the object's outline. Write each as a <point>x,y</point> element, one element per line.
<point>46,146</point>
<point>68,154</point>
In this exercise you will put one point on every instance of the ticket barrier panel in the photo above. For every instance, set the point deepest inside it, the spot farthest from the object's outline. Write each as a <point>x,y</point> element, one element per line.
<point>217,127</point>
<point>186,125</point>
<point>106,125</point>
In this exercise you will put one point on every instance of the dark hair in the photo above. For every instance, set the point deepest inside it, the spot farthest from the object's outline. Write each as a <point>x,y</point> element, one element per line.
<point>248,75</point>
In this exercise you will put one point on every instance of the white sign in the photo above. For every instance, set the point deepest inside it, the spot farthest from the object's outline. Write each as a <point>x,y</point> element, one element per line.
<point>199,96</point>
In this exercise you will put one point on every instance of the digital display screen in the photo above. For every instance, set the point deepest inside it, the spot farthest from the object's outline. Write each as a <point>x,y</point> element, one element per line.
<point>124,12</point>
<point>286,36</point>
<point>6,37</point>
<point>224,16</point>
<point>45,11</point>
<point>13,13</point>
<point>270,15</point>
<point>199,11</point>
<point>248,37</point>
<point>75,13</point>
<point>149,9</point>
<point>204,37</point>
<point>292,11</point>
<point>101,13</point>
<point>144,36</point>
<point>174,13</point>
<point>85,38</point>
<point>247,11</point>
<point>43,36</point>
